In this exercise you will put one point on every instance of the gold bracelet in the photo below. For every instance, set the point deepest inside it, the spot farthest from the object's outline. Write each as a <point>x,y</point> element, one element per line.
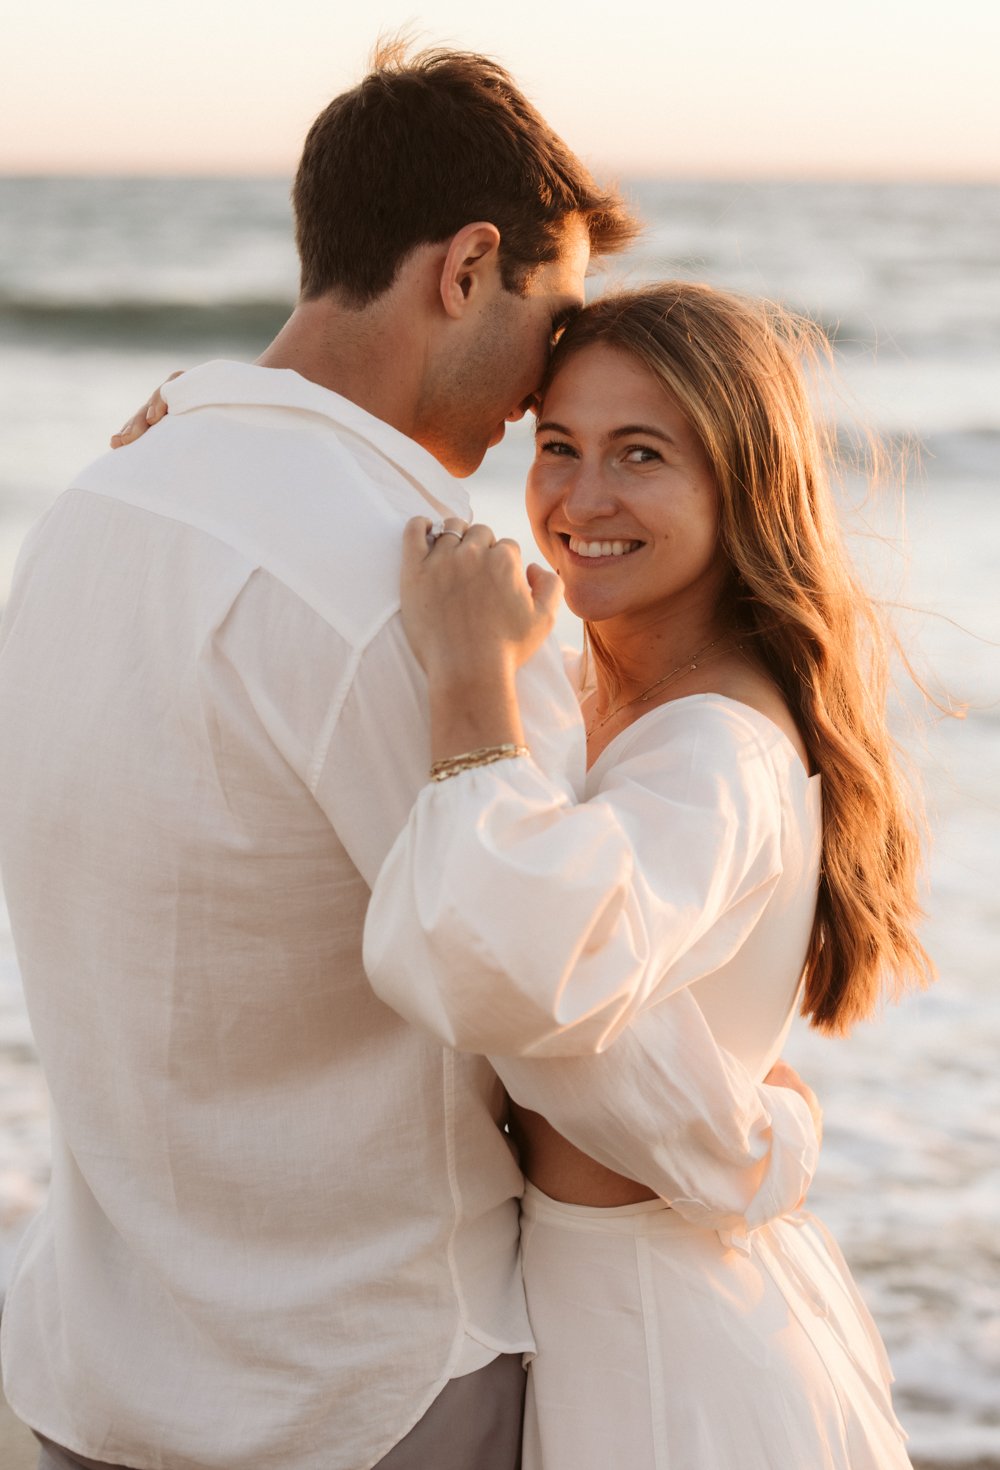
<point>469,760</point>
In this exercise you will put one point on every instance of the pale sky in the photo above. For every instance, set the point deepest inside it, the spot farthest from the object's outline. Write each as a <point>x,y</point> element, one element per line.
<point>781,88</point>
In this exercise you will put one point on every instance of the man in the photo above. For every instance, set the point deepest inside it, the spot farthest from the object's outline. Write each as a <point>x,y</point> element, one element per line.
<point>283,1228</point>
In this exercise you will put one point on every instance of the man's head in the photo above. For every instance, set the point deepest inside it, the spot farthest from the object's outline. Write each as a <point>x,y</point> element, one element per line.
<point>433,193</point>
<point>422,146</point>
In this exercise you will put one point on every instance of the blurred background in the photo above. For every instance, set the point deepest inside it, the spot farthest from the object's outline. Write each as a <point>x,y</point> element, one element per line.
<point>846,163</point>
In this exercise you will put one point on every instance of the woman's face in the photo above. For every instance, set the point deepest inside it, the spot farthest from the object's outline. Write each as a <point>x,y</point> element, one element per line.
<point>621,497</point>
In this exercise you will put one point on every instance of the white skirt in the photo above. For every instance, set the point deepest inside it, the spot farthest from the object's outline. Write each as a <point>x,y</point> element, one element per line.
<point>660,1348</point>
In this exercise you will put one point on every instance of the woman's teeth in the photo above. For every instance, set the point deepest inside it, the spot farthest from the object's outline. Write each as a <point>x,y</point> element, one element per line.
<point>602,548</point>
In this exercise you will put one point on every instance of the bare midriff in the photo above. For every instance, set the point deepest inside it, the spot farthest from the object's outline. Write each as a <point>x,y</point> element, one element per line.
<point>564,1173</point>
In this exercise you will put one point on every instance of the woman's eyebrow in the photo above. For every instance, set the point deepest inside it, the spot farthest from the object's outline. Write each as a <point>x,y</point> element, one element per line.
<point>549,426</point>
<point>645,429</point>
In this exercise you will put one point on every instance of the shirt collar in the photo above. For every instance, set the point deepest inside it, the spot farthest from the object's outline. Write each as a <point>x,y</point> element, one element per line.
<point>220,383</point>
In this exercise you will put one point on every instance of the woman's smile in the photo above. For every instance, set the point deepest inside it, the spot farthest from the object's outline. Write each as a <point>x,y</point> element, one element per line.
<point>621,496</point>
<point>608,549</point>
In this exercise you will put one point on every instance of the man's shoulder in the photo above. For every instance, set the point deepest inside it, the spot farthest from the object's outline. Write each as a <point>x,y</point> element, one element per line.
<point>305,512</point>
<point>287,476</point>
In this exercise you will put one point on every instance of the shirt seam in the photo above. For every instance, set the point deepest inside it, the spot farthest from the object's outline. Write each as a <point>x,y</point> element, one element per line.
<point>326,734</point>
<point>448,1087</point>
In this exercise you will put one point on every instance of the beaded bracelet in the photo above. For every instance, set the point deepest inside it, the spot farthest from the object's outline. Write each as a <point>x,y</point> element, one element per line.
<point>486,755</point>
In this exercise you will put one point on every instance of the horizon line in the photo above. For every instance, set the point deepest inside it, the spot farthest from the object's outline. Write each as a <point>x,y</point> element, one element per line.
<point>636,174</point>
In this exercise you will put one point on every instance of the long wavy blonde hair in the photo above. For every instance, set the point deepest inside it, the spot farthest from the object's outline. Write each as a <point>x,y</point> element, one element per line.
<point>738,367</point>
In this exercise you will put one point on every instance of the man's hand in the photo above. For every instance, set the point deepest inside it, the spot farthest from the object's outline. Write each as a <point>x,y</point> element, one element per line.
<point>782,1075</point>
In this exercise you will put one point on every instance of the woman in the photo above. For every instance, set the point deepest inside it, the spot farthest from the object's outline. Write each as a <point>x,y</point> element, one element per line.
<point>739,756</point>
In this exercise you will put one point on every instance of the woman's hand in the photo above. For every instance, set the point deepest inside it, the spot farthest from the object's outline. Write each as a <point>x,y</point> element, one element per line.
<point>472,615</point>
<point>468,603</point>
<point>782,1075</point>
<point>151,412</point>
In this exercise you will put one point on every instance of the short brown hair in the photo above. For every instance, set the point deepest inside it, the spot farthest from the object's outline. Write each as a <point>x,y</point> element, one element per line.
<point>423,146</point>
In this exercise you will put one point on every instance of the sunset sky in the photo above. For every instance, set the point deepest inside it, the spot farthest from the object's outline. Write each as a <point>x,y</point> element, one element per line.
<point>855,88</point>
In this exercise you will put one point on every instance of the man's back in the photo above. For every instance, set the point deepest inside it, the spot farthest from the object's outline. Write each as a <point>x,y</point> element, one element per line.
<point>252,1204</point>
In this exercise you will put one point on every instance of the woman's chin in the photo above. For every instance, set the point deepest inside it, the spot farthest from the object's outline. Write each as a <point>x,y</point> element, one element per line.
<point>587,612</point>
<point>589,609</point>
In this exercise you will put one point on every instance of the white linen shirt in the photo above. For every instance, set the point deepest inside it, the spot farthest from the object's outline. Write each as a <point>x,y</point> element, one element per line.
<point>281,1217</point>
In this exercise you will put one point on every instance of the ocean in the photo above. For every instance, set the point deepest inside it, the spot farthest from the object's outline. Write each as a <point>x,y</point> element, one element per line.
<point>107,285</point>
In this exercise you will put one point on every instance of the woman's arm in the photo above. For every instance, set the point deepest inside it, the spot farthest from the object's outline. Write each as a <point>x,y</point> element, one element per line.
<point>665,1106</point>
<point>508,918</point>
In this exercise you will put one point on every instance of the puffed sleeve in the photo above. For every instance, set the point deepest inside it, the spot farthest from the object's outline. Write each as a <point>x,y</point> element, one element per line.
<point>509,920</point>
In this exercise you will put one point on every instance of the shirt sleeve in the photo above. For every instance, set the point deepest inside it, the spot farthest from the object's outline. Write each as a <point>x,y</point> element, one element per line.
<point>510,920</point>
<point>668,1107</point>
<point>373,759</point>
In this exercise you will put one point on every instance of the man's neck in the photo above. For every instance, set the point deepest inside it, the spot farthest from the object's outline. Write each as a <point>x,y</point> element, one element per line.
<point>353,353</point>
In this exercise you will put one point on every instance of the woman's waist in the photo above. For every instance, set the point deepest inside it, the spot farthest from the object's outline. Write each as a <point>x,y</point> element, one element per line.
<point>640,1217</point>
<point>563,1172</point>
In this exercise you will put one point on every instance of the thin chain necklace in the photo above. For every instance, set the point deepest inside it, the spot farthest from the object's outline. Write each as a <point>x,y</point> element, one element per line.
<point>691,663</point>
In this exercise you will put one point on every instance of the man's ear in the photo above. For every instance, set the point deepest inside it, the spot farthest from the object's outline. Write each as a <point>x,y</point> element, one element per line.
<point>471,264</point>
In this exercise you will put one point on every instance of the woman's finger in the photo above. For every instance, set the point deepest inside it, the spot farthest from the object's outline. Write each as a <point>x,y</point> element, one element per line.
<point>451,532</point>
<point>447,533</point>
<point>136,426</point>
<point>480,535</point>
<point>155,409</point>
<point>151,412</point>
<point>417,533</point>
<point>131,429</point>
<point>546,589</point>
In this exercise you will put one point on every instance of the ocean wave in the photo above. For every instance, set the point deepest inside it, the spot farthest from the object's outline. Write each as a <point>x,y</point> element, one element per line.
<point>128,322</point>
<point>123,320</point>
<point>972,453</point>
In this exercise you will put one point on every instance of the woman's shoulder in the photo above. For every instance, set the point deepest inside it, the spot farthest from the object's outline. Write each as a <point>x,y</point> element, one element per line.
<point>710,726</point>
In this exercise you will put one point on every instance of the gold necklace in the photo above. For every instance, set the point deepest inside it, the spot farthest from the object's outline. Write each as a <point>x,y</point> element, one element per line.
<point>688,666</point>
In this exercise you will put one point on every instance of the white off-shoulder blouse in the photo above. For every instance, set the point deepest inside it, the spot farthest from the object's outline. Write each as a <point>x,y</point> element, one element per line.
<point>505,913</point>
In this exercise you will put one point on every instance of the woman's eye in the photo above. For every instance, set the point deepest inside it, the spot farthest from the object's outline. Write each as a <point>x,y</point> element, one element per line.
<point>555,447</point>
<point>641,454</point>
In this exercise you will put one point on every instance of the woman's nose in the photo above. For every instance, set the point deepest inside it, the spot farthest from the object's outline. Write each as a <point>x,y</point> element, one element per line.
<point>587,495</point>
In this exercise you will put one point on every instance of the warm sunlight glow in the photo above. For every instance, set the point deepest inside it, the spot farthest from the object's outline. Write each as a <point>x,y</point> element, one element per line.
<point>776,90</point>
